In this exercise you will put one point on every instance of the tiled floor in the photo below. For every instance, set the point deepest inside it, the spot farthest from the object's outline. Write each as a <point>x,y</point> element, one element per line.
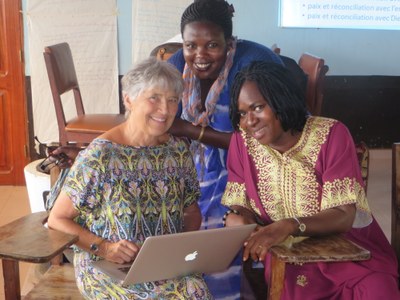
<point>14,203</point>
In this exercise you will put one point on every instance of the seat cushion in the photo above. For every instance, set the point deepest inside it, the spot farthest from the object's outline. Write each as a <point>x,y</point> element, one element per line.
<point>94,123</point>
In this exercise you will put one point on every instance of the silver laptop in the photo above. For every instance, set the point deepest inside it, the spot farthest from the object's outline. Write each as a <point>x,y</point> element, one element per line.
<point>175,255</point>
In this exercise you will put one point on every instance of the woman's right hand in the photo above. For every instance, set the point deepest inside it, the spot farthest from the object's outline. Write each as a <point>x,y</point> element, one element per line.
<point>121,252</point>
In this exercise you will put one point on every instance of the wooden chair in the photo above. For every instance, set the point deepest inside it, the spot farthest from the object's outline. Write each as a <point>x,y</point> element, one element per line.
<point>316,70</point>
<point>276,49</point>
<point>166,50</point>
<point>62,77</point>
<point>27,239</point>
<point>363,159</point>
<point>395,228</point>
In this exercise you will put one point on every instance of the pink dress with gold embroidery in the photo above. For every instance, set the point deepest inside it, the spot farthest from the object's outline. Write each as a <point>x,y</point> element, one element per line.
<point>320,172</point>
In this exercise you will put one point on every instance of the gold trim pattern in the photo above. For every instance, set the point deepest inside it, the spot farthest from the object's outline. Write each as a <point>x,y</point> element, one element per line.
<point>344,191</point>
<point>254,207</point>
<point>298,178</point>
<point>302,280</point>
<point>235,194</point>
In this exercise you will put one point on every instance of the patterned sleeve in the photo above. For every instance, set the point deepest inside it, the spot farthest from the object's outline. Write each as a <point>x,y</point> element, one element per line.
<point>84,182</point>
<point>235,191</point>
<point>341,177</point>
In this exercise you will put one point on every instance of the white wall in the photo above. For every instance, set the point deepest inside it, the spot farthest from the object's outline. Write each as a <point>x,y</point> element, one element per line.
<point>124,36</point>
<point>346,51</point>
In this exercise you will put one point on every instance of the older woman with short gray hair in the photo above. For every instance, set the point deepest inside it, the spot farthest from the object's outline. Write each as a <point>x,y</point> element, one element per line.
<point>133,181</point>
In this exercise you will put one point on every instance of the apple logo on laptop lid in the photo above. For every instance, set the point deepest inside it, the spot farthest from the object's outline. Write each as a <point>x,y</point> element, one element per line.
<point>191,256</point>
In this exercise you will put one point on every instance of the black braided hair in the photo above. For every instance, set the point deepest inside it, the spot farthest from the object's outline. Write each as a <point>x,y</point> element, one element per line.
<point>279,89</point>
<point>218,12</point>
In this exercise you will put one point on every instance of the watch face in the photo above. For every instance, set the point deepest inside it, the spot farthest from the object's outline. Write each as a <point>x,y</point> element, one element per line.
<point>302,227</point>
<point>94,247</point>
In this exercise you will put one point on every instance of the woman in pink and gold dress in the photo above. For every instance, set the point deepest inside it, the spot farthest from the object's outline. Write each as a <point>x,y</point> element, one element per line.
<point>299,175</point>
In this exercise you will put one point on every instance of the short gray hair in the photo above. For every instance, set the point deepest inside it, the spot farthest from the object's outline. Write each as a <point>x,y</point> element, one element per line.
<point>151,73</point>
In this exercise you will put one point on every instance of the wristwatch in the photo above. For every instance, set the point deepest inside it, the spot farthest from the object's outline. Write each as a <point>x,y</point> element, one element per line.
<point>95,247</point>
<point>302,226</point>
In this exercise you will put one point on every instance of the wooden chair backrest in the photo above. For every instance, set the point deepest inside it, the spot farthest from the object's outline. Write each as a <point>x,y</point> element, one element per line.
<point>316,70</point>
<point>83,128</point>
<point>62,77</point>
<point>165,51</point>
<point>363,159</point>
<point>276,49</point>
<point>395,230</point>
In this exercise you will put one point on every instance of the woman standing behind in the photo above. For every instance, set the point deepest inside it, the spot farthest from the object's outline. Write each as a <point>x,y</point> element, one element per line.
<point>209,60</point>
<point>299,175</point>
<point>134,181</point>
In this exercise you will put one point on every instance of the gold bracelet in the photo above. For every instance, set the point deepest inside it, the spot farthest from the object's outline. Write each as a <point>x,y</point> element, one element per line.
<point>201,134</point>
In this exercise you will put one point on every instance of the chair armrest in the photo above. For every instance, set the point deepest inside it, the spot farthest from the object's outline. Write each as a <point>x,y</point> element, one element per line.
<point>321,249</point>
<point>28,239</point>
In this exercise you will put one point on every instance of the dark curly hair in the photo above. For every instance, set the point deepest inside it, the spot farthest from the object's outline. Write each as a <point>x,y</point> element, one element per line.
<point>218,12</point>
<point>279,89</point>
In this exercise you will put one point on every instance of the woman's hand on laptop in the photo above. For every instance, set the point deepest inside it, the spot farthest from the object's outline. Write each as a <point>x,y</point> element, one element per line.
<point>121,252</point>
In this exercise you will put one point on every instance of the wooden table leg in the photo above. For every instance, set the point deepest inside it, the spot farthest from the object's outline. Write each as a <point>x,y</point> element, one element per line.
<point>277,278</point>
<point>12,288</point>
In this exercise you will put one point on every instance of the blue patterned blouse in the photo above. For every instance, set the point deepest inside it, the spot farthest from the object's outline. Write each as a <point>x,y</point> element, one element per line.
<point>125,192</point>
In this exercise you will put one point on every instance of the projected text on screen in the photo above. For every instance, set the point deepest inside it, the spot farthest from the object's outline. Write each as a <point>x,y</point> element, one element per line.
<point>378,14</point>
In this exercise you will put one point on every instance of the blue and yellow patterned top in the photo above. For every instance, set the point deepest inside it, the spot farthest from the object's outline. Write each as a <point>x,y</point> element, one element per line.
<point>126,192</point>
